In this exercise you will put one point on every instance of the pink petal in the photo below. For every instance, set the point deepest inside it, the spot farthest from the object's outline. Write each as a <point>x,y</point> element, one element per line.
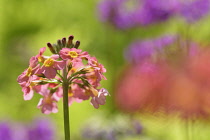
<point>46,109</point>
<point>54,108</point>
<point>28,93</point>
<point>101,100</point>
<point>37,88</point>
<point>42,50</point>
<point>22,78</point>
<point>59,65</point>
<point>70,100</point>
<point>36,69</point>
<point>44,90</point>
<point>55,56</point>
<point>64,53</point>
<point>50,72</point>
<point>103,91</point>
<point>40,103</point>
<point>94,103</point>
<point>33,62</point>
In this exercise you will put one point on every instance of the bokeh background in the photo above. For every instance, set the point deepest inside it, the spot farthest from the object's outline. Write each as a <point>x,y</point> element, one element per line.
<point>26,26</point>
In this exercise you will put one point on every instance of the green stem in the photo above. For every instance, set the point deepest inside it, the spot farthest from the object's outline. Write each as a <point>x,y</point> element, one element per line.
<point>65,106</point>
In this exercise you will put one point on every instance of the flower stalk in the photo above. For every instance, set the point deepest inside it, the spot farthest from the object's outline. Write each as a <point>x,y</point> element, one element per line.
<point>65,86</point>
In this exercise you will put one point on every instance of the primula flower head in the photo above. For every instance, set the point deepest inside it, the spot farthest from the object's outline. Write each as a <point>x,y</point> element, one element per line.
<point>46,75</point>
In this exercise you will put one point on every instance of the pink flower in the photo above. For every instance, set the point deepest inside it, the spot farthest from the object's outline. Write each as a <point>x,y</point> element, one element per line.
<point>78,92</point>
<point>73,54</point>
<point>40,56</point>
<point>93,62</point>
<point>50,66</point>
<point>93,76</point>
<point>48,102</point>
<point>58,93</point>
<point>25,77</point>
<point>29,88</point>
<point>100,99</point>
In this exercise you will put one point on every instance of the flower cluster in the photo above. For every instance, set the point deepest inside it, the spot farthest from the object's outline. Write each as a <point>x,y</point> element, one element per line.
<point>128,13</point>
<point>46,75</point>
<point>178,81</point>
<point>39,130</point>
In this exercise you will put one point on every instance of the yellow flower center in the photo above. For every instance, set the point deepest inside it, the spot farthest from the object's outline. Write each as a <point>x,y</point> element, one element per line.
<point>70,94</point>
<point>48,100</point>
<point>29,71</point>
<point>73,70</point>
<point>41,59</point>
<point>73,54</point>
<point>48,62</point>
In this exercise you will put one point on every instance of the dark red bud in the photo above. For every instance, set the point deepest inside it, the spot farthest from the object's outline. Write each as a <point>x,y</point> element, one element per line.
<point>51,48</point>
<point>64,41</point>
<point>77,44</point>
<point>69,44</point>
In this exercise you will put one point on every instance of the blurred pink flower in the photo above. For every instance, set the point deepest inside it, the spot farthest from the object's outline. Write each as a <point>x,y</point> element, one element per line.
<point>141,87</point>
<point>180,86</point>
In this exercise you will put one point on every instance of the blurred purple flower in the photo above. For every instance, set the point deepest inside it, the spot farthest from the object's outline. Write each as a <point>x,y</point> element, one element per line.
<point>147,12</point>
<point>195,10</point>
<point>140,50</point>
<point>113,11</point>
<point>5,131</point>
<point>42,130</point>
<point>143,12</point>
<point>153,11</point>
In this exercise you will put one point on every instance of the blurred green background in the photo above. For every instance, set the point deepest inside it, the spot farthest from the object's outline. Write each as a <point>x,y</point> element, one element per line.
<point>26,26</point>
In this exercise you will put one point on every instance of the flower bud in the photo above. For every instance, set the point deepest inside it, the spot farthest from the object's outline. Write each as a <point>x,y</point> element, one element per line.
<point>51,48</point>
<point>59,43</point>
<point>70,43</point>
<point>64,42</point>
<point>77,44</point>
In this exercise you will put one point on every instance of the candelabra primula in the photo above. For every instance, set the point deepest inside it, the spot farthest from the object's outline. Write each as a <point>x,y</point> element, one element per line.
<point>68,67</point>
